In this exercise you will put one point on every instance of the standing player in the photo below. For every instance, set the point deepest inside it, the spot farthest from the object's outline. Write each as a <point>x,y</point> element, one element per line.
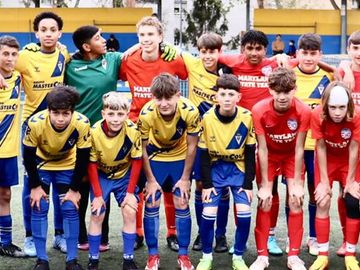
<point>9,140</point>
<point>114,168</point>
<point>336,127</point>
<point>56,151</point>
<point>169,126</point>
<point>281,123</point>
<point>227,146</point>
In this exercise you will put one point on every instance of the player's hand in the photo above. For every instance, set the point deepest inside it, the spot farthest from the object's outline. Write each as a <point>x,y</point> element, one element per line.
<point>3,83</point>
<point>97,204</point>
<point>248,192</point>
<point>150,190</point>
<point>35,196</point>
<point>184,187</point>
<point>33,47</point>
<point>130,51</point>
<point>282,60</point>
<point>169,52</point>
<point>296,194</point>
<point>265,197</point>
<point>206,194</point>
<point>322,190</point>
<point>72,196</point>
<point>353,188</point>
<point>131,201</point>
<point>348,78</point>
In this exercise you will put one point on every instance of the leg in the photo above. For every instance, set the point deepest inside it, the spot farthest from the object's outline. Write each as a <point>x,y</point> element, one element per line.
<point>221,222</point>
<point>342,215</point>
<point>59,241</point>
<point>151,225</point>
<point>198,212</point>
<point>272,245</point>
<point>104,246</point>
<point>5,217</point>
<point>84,192</point>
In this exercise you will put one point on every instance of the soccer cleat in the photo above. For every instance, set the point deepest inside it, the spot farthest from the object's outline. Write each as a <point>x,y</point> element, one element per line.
<point>342,250</point>
<point>83,246</point>
<point>129,265</point>
<point>313,246</point>
<point>59,243</point>
<point>41,265</point>
<point>93,264</point>
<point>239,264</point>
<point>351,263</point>
<point>221,244</point>
<point>29,247</point>
<point>295,263</point>
<point>197,246</point>
<point>321,263</point>
<point>11,250</point>
<point>139,242</point>
<point>231,250</point>
<point>204,264</point>
<point>104,247</point>
<point>172,242</point>
<point>185,263</point>
<point>153,262</point>
<point>73,265</point>
<point>261,263</point>
<point>273,247</point>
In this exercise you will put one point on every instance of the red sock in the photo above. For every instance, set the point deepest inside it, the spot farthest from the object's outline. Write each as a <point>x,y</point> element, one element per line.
<point>342,214</point>
<point>262,232</point>
<point>352,233</point>
<point>274,210</point>
<point>170,213</point>
<point>139,216</point>
<point>322,227</point>
<point>296,230</point>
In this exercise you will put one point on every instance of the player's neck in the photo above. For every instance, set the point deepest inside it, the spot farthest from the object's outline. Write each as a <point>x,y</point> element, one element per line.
<point>6,74</point>
<point>88,56</point>
<point>47,50</point>
<point>150,56</point>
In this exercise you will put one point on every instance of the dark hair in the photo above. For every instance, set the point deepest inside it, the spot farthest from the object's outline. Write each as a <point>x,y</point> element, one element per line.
<point>211,41</point>
<point>278,35</point>
<point>354,38</point>
<point>254,37</point>
<point>62,97</point>
<point>47,15</point>
<point>309,41</point>
<point>282,80</point>
<point>227,81</point>
<point>83,35</point>
<point>9,41</point>
<point>164,85</point>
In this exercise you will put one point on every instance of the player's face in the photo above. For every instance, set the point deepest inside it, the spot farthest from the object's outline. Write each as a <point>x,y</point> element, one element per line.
<point>48,34</point>
<point>254,53</point>
<point>282,100</point>
<point>97,44</point>
<point>114,119</point>
<point>60,119</point>
<point>149,38</point>
<point>354,53</point>
<point>227,99</point>
<point>167,106</point>
<point>308,59</point>
<point>209,58</point>
<point>8,57</point>
<point>337,113</point>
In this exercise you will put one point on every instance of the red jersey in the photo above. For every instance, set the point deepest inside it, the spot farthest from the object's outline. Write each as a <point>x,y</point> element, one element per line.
<point>253,79</point>
<point>281,129</point>
<point>356,91</point>
<point>140,74</point>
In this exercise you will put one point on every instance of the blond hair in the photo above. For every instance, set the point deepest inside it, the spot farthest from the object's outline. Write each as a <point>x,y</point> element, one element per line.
<point>151,21</point>
<point>115,101</point>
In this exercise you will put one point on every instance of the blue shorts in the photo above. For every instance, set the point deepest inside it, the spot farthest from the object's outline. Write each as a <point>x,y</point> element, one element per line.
<point>196,173</point>
<point>56,177</point>
<point>9,174</point>
<point>226,174</point>
<point>239,197</point>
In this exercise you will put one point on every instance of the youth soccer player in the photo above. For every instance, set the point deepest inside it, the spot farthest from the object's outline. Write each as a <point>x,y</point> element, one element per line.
<point>169,126</point>
<point>115,165</point>
<point>227,146</point>
<point>336,127</point>
<point>56,151</point>
<point>281,123</point>
<point>9,140</point>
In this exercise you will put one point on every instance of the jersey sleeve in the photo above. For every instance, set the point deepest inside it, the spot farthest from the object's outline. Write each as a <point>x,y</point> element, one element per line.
<point>84,140</point>
<point>144,127</point>
<point>122,70</point>
<point>188,60</point>
<point>180,68</point>
<point>93,156</point>
<point>22,61</point>
<point>193,121</point>
<point>305,119</point>
<point>251,139</point>
<point>259,130</point>
<point>315,124</point>
<point>356,132</point>
<point>136,151</point>
<point>30,138</point>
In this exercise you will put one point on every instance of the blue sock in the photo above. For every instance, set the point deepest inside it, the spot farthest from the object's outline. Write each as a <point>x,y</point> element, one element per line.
<point>198,208</point>
<point>222,214</point>
<point>312,214</point>
<point>183,229</point>
<point>242,232</point>
<point>39,226</point>
<point>151,229</point>
<point>26,208</point>
<point>287,212</point>
<point>129,241</point>
<point>94,246</point>
<point>207,232</point>
<point>58,218</point>
<point>5,230</point>
<point>71,229</point>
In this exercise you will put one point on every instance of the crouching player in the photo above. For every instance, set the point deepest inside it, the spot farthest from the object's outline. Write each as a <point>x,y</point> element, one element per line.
<point>115,164</point>
<point>281,123</point>
<point>56,151</point>
<point>169,126</point>
<point>336,127</point>
<point>227,146</point>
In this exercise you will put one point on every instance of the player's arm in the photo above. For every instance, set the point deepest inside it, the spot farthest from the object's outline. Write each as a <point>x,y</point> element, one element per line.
<point>130,199</point>
<point>265,191</point>
<point>346,74</point>
<point>98,201</point>
<point>352,187</point>
<point>323,188</point>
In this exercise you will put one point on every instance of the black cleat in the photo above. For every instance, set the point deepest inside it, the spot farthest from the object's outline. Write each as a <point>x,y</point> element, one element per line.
<point>197,246</point>
<point>93,265</point>
<point>129,265</point>
<point>221,244</point>
<point>11,250</point>
<point>172,243</point>
<point>139,242</point>
<point>73,265</point>
<point>41,265</point>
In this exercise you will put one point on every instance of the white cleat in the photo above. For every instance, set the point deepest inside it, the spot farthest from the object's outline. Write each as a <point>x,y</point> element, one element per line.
<point>261,263</point>
<point>295,263</point>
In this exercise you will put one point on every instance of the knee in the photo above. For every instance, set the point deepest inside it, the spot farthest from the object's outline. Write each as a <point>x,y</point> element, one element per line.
<point>97,219</point>
<point>5,196</point>
<point>352,207</point>
<point>43,210</point>
<point>68,209</point>
<point>129,214</point>
<point>324,205</point>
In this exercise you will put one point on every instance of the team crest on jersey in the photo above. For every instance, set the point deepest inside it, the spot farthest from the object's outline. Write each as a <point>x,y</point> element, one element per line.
<point>60,65</point>
<point>104,63</point>
<point>180,131</point>
<point>292,124</point>
<point>238,138</point>
<point>345,133</point>
<point>266,70</point>
<point>321,88</point>
<point>72,141</point>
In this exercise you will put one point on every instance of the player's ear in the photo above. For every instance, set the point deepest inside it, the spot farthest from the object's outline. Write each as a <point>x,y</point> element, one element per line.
<point>239,97</point>
<point>103,114</point>
<point>86,47</point>
<point>60,34</point>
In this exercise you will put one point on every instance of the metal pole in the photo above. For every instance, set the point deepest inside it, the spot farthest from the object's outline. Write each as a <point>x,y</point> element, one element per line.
<point>247,15</point>
<point>180,37</point>
<point>159,10</point>
<point>343,26</point>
